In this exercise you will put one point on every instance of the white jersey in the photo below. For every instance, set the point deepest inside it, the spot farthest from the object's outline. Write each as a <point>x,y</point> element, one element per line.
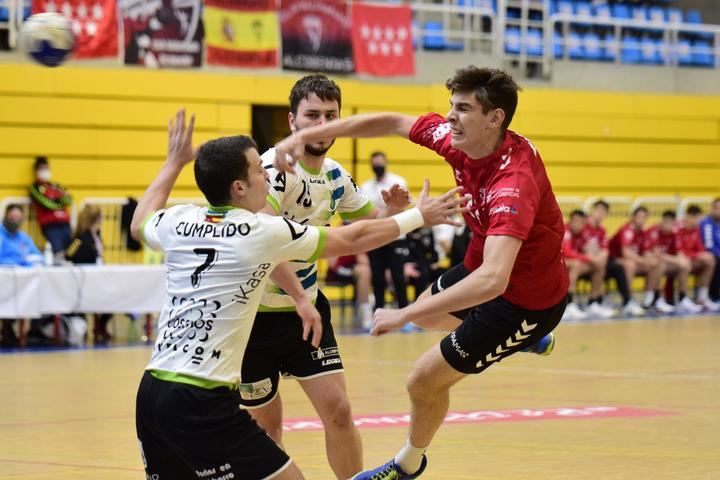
<point>218,262</point>
<point>309,197</point>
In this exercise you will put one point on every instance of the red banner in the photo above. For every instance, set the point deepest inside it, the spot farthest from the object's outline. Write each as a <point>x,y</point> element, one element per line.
<point>94,24</point>
<point>382,40</point>
<point>316,35</point>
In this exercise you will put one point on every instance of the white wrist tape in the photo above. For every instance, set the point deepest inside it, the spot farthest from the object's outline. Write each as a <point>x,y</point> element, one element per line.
<point>409,220</point>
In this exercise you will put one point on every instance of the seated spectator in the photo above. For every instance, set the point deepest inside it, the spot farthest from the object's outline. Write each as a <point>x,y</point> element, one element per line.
<point>51,202</point>
<point>597,244</point>
<point>16,250</point>
<point>663,238</point>
<point>16,247</point>
<point>86,248</point>
<point>354,269</point>
<point>702,263</point>
<point>630,248</point>
<point>579,264</point>
<point>710,228</point>
<point>422,259</point>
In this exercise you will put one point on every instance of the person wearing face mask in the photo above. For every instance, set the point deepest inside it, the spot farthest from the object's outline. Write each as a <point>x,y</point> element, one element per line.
<point>394,255</point>
<point>16,247</point>
<point>51,202</point>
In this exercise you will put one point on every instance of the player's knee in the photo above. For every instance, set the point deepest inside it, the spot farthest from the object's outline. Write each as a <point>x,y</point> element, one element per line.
<point>418,386</point>
<point>340,415</point>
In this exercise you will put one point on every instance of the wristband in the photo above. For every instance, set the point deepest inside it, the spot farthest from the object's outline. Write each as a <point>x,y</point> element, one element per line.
<point>409,220</point>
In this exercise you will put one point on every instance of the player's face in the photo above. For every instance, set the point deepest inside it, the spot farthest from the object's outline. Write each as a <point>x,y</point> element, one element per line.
<point>471,127</point>
<point>692,221</point>
<point>667,225</point>
<point>599,214</point>
<point>257,184</point>
<point>576,224</point>
<point>639,219</point>
<point>313,111</point>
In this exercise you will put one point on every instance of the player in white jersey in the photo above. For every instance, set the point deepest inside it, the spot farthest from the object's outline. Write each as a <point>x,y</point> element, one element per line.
<point>218,261</point>
<point>318,189</point>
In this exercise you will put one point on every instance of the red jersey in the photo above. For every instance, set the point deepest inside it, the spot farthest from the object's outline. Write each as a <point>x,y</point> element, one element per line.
<point>627,236</point>
<point>655,236</point>
<point>51,202</point>
<point>689,241</point>
<point>574,245</point>
<point>596,237</point>
<point>511,195</point>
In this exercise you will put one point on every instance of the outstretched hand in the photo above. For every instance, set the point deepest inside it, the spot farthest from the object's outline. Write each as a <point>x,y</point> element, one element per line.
<point>396,198</point>
<point>386,320</point>
<point>287,153</point>
<point>180,149</point>
<point>440,210</point>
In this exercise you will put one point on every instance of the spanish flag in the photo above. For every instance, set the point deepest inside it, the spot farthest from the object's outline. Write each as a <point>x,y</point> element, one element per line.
<point>241,33</point>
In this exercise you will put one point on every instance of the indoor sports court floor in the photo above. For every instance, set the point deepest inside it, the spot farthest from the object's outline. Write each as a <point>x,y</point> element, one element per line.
<point>620,400</point>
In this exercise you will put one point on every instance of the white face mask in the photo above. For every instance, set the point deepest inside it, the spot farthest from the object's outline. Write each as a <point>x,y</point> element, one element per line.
<point>44,175</point>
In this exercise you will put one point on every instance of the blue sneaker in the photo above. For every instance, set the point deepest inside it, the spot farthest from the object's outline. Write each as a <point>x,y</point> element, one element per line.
<point>544,347</point>
<point>390,471</point>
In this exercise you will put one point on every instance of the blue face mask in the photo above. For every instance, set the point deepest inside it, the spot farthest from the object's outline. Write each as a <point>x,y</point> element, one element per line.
<point>11,226</point>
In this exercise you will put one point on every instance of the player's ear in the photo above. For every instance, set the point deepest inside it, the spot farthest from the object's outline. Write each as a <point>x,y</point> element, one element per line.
<point>291,122</point>
<point>238,188</point>
<point>497,117</point>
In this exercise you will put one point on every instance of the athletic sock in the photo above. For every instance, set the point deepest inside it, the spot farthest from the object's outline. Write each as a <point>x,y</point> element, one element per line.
<point>649,298</point>
<point>409,458</point>
<point>682,295</point>
<point>592,300</point>
<point>570,297</point>
<point>703,293</point>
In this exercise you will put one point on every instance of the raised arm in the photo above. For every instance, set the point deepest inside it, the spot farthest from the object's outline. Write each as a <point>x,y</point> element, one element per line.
<point>180,153</point>
<point>356,126</point>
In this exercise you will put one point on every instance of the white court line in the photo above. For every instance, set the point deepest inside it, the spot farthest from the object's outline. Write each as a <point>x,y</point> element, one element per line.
<point>562,371</point>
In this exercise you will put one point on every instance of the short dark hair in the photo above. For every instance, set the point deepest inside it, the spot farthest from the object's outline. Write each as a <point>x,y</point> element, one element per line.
<point>639,209</point>
<point>601,203</point>
<point>669,214</point>
<point>578,213</point>
<point>318,84</point>
<point>693,210</point>
<point>12,206</point>
<point>378,153</point>
<point>39,163</point>
<point>219,163</point>
<point>493,88</point>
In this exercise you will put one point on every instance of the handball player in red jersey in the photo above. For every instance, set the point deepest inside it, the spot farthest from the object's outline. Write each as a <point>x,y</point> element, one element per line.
<point>511,290</point>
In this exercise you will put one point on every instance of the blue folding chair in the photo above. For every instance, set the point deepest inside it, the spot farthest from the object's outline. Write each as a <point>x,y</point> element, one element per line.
<point>593,50</point>
<point>512,40</point>
<point>557,45</point>
<point>4,11</point>
<point>576,49</point>
<point>683,53</point>
<point>674,15</point>
<point>611,48</point>
<point>534,42</point>
<point>630,50</point>
<point>703,54</point>
<point>565,7</point>
<point>661,51</point>
<point>602,11</point>
<point>647,51</point>
<point>621,11</point>
<point>433,37</point>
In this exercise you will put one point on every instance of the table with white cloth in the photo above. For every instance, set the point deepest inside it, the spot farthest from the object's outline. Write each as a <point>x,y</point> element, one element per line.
<point>36,291</point>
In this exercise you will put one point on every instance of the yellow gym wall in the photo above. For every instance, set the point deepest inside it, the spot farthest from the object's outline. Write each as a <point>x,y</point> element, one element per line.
<point>104,130</point>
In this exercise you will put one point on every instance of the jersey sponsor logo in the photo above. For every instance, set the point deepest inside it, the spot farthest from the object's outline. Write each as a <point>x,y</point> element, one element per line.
<point>509,192</point>
<point>296,230</point>
<point>318,181</point>
<point>330,361</point>
<point>440,131</point>
<point>252,283</point>
<point>503,209</point>
<point>456,345</point>
<point>256,390</point>
<point>322,353</point>
<point>203,230</point>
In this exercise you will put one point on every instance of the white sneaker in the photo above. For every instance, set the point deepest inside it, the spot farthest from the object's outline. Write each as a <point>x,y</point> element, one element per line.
<point>597,310</point>
<point>663,307</point>
<point>573,313</point>
<point>710,306</point>
<point>632,309</point>
<point>686,305</point>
